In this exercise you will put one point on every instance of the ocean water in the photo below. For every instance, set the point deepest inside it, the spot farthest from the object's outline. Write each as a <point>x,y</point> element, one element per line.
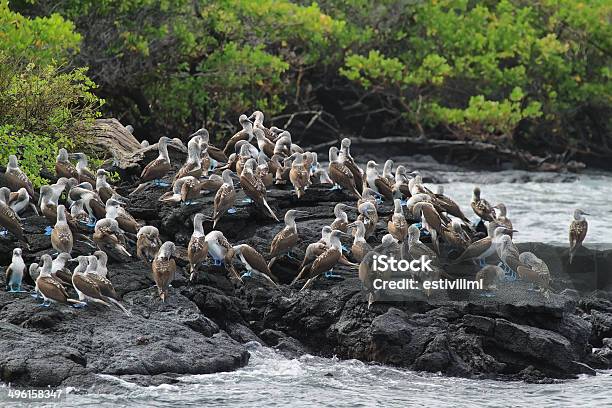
<point>275,381</point>
<point>541,211</point>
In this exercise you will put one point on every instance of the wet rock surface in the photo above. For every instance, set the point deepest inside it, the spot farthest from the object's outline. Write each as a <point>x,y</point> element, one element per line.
<point>203,325</point>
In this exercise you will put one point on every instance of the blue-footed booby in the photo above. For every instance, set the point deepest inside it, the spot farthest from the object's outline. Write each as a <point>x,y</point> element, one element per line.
<point>158,168</point>
<point>61,236</point>
<point>15,178</point>
<point>490,276</point>
<point>299,175</point>
<point>193,164</point>
<point>246,133</point>
<point>360,246</point>
<point>63,167</point>
<point>15,271</point>
<point>340,173</point>
<point>102,260</point>
<point>325,262</point>
<point>225,197</point>
<point>20,200</point>
<point>103,187</point>
<point>481,207</point>
<point>414,249</point>
<point>164,268</point>
<point>110,239</point>
<point>367,273</point>
<point>397,224</point>
<point>448,205</point>
<point>147,243</point>
<point>501,220</point>
<point>381,185</point>
<point>9,219</point>
<point>430,221</point>
<point>85,286</point>
<point>197,250</point>
<point>49,288</point>
<point>263,143</point>
<point>287,238</point>
<point>344,156</point>
<point>85,175</point>
<point>105,286</point>
<point>255,188</point>
<point>258,119</point>
<point>59,270</point>
<point>341,221</point>
<point>483,248</point>
<point>214,152</point>
<point>535,270</point>
<point>254,262</point>
<point>577,232</point>
<point>369,216</point>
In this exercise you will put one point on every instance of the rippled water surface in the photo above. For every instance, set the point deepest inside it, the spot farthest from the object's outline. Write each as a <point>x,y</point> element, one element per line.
<point>542,211</point>
<point>273,380</point>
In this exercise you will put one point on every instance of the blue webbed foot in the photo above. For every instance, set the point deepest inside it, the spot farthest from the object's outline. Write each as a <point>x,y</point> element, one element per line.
<point>247,200</point>
<point>330,275</point>
<point>48,230</point>
<point>482,263</point>
<point>160,183</point>
<point>335,187</point>
<point>212,165</point>
<point>46,303</point>
<point>290,256</point>
<point>34,294</point>
<point>404,203</point>
<point>232,211</point>
<point>345,249</point>
<point>217,262</point>
<point>3,232</point>
<point>92,222</point>
<point>80,305</point>
<point>247,274</point>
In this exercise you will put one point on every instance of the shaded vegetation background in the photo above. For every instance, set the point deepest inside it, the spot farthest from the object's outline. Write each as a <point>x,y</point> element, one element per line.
<point>531,75</point>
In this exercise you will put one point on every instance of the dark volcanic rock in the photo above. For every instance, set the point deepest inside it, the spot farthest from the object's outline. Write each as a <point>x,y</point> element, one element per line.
<point>203,325</point>
<point>48,346</point>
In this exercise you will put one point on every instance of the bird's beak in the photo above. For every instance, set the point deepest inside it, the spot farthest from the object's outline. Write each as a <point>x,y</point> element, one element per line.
<point>584,213</point>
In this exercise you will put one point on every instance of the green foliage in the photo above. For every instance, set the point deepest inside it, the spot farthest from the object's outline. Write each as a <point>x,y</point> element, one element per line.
<point>42,107</point>
<point>493,69</point>
<point>40,40</point>
<point>482,68</point>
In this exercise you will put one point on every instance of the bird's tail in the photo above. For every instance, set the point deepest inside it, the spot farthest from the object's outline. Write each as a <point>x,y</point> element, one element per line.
<point>118,304</point>
<point>140,187</point>
<point>265,203</point>
<point>123,251</point>
<point>100,302</point>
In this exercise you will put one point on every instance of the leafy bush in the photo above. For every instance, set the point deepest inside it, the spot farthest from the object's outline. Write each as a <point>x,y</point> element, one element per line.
<point>483,68</point>
<point>42,107</point>
<point>510,71</point>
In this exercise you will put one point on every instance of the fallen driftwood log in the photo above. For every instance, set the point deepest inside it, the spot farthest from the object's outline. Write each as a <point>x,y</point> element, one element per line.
<point>486,154</point>
<point>111,139</point>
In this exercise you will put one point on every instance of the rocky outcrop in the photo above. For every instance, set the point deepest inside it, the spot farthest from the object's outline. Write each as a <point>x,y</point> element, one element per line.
<point>202,327</point>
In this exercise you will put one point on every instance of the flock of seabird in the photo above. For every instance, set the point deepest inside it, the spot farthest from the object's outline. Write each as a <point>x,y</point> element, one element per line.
<point>83,206</point>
